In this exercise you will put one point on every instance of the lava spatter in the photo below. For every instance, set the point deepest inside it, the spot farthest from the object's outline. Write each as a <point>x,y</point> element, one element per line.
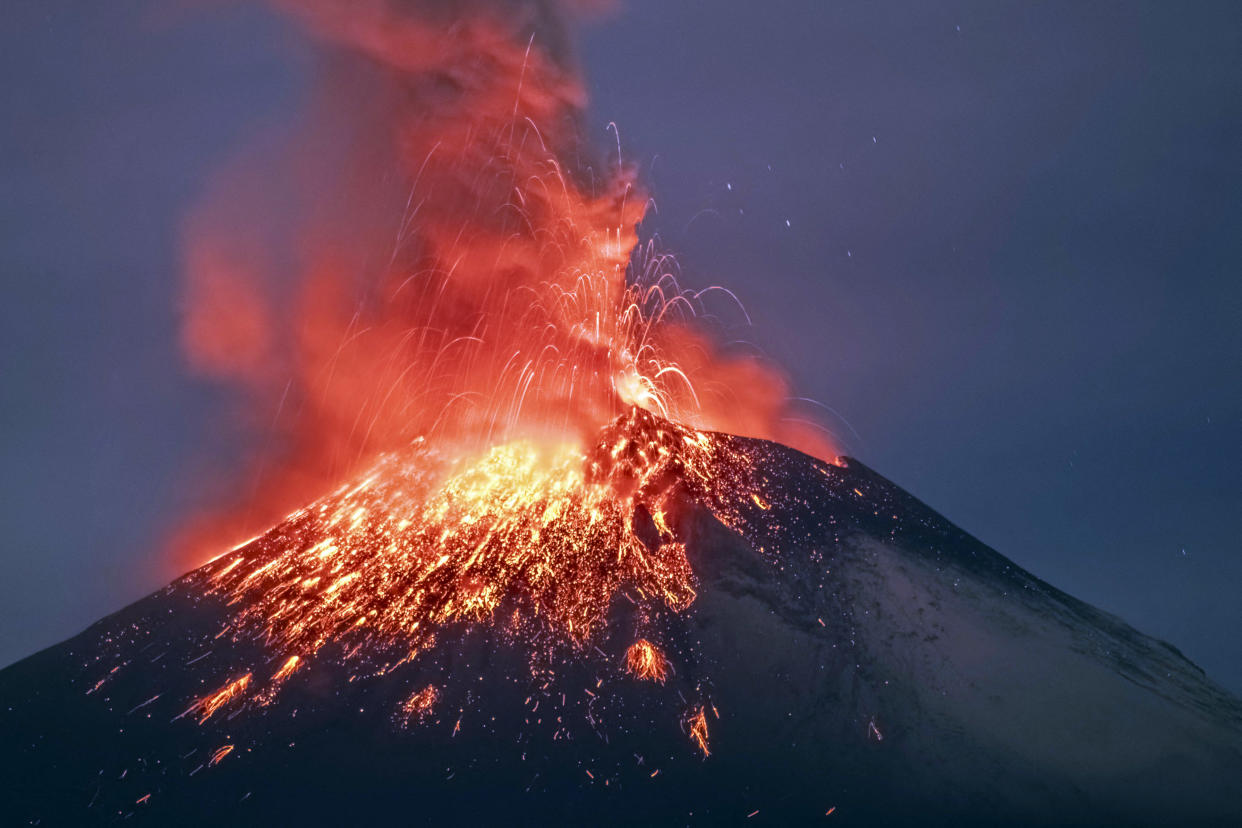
<point>644,660</point>
<point>533,541</point>
<point>419,705</point>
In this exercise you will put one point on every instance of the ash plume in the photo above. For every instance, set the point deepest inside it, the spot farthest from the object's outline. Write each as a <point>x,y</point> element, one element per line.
<point>434,248</point>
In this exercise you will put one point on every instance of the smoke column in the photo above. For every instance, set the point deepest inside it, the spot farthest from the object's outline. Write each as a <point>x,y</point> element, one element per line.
<point>434,249</point>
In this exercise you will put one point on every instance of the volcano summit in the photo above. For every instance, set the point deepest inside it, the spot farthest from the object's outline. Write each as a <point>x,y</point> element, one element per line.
<point>674,627</point>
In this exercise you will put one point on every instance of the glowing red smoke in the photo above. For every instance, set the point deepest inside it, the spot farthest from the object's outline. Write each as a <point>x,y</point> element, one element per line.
<point>434,249</point>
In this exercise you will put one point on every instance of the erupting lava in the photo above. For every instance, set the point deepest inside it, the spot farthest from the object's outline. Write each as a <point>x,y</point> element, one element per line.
<point>535,546</point>
<point>464,383</point>
<point>532,542</point>
<point>436,252</point>
<point>525,555</point>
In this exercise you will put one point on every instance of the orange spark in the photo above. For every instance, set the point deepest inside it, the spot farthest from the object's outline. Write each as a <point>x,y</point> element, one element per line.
<point>220,753</point>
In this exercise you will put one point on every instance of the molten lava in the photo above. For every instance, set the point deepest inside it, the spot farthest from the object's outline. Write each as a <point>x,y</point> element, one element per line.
<point>536,545</point>
<point>523,538</point>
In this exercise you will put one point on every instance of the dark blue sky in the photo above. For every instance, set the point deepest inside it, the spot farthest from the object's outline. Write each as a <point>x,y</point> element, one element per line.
<point>1002,242</point>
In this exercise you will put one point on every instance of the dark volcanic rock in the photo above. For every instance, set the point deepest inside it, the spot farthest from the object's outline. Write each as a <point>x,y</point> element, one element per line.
<point>851,649</point>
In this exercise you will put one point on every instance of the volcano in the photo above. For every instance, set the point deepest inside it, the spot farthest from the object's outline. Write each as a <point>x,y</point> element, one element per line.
<point>766,638</point>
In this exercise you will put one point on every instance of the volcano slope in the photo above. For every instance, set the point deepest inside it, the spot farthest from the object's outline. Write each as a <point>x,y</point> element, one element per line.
<point>848,656</point>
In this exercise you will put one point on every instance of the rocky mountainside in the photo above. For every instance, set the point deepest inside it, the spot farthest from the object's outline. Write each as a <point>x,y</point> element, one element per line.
<point>849,657</point>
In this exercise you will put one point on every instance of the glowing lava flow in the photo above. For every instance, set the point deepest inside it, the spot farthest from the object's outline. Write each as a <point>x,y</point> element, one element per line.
<point>518,527</point>
<point>527,540</point>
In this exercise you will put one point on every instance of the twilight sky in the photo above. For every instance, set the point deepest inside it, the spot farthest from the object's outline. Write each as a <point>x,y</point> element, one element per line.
<point>1003,243</point>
